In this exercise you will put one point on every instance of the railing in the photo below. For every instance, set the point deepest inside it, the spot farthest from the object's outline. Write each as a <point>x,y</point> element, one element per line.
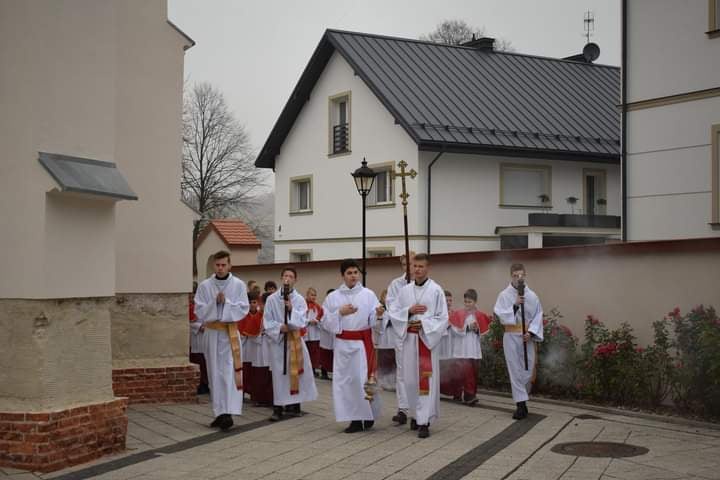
<point>341,138</point>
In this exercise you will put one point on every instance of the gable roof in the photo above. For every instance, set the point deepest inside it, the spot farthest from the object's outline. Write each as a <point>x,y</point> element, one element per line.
<point>233,232</point>
<point>454,98</point>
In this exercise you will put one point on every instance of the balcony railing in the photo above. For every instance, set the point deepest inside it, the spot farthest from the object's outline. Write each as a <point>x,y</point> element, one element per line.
<point>341,138</point>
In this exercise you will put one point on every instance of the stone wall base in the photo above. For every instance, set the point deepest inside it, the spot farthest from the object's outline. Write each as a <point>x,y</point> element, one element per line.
<point>50,441</point>
<point>157,385</point>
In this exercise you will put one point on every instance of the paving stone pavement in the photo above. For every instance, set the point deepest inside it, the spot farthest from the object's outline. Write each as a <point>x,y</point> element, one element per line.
<point>174,442</point>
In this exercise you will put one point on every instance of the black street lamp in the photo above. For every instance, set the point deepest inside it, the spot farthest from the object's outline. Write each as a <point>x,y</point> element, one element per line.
<point>364,178</point>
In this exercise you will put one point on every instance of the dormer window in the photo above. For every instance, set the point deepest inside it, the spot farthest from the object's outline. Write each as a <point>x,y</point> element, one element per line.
<point>339,124</point>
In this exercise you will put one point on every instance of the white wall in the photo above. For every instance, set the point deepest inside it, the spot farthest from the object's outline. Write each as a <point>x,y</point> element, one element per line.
<point>100,80</point>
<point>336,204</point>
<point>669,171</point>
<point>154,234</point>
<point>57,94</point>
<point>668,51</point>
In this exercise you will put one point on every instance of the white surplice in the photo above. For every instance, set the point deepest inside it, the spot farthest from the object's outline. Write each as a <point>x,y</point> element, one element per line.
<point>464,342</point>
<point>225,396</point>
<point>273,318</point>
<point>350,368</point>
<point>393,292</point>
<point>313,331</point>
<point>520,379</point>
<point>424,408</point>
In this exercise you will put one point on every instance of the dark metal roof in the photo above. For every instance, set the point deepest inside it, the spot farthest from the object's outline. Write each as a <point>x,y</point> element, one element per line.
<point>81,175</point>
<point>461,99</point>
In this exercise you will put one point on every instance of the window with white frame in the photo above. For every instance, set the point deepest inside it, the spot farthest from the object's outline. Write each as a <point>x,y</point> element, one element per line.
<point>525,185</point>
<point>301,194</point>
<point>299,256</point>
<point>381,192</point>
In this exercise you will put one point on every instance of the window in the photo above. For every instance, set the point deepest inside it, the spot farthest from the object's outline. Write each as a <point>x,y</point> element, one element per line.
<point>339,135</point>
<point>715,172</point>
<point>377,252</point>
<point>713,18</point>
<point>381,192</point>
<point>525,185</point>
<point>299,256</point>
<point>301,194</point>
<point>594,192</point>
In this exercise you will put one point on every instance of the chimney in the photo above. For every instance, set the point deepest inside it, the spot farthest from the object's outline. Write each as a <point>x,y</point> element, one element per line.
<point>486,44</point>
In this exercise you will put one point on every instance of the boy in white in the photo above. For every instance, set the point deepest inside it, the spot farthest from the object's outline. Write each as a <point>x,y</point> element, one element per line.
<point>420,318</point>
<point>466,327</point>
<point>220,301</point>
<point>350,314</point>
<point>509,310</point>
<point>385,341</point>
<point>292,375</point>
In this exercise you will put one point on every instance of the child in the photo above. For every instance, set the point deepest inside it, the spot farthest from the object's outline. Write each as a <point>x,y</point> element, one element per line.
<point>327,343</point>
<point>466,327</point>
<point>314,315</point>
<point>250,329</point>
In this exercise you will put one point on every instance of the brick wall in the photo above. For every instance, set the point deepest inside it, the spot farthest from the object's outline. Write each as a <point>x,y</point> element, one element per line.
<point>49,441</point>
<point>157,385</point>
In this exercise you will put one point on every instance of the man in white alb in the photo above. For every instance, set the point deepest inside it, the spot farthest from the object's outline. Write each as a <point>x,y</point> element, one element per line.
<point>420,318</point>
<point>351,313</point>
<point>220,301</point>
<point>508,308</point>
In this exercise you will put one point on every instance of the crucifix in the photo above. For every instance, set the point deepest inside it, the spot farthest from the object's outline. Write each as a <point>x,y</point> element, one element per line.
<point>404,196</point>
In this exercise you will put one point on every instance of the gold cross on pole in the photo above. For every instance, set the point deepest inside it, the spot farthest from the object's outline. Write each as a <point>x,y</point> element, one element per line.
<point>404,196</point>
<point>402,174</point>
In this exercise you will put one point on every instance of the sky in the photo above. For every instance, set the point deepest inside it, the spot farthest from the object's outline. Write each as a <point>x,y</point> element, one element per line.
<point>254,51</point>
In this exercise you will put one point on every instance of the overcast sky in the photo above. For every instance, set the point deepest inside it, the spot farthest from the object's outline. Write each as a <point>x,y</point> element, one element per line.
<point>255,50</point>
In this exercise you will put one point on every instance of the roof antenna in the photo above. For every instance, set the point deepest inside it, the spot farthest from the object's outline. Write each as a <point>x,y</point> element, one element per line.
<point>589,24</point>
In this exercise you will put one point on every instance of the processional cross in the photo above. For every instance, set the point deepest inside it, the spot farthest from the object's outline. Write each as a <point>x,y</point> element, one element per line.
<point>404,196</point>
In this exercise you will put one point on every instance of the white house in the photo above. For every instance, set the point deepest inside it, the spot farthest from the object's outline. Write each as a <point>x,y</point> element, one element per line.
<point>494,137</point>
<point>672,108</point>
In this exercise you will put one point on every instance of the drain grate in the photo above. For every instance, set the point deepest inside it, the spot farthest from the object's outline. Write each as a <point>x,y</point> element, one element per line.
<point>599,449</point>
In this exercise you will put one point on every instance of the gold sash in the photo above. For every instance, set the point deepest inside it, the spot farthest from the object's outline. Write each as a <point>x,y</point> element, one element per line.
<point>296,360</point>
<point>231,329</point>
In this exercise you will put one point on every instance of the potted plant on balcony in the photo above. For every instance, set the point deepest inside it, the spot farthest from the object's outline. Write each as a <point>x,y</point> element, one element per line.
<point>545,219</point>
<point>572,201</point>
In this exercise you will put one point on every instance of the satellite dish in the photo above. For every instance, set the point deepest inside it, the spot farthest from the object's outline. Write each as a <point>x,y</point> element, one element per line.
<point>591,52</point>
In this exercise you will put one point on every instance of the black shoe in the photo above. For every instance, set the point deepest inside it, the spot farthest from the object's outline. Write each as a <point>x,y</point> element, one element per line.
<point>277,414</point>
<point>368,424</point>
<point>457,398</point>
<point>400,418</point>
<point>520,412</point>
<point>524,408</point>
<point>355,426</point>
<point>216,423</point>
<point>202,389</point>
<point>471,401</point>
<point>413,424</point>
<point>324,375</point>
<point>423,431</point>
<point>293,410</point>
<point>226,423</point>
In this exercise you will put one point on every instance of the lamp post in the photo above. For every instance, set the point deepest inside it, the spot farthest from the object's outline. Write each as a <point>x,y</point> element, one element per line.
<point>364,178</point>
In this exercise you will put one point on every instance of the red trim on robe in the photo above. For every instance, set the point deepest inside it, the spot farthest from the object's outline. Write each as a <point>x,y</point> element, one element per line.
<point>424,364</point>
<point>366,337</point>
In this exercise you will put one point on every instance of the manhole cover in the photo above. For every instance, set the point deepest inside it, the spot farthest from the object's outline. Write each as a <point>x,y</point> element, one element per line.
<point>599,449</point>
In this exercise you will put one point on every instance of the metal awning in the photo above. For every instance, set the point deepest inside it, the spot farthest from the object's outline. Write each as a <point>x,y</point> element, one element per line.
<point>86,176</point>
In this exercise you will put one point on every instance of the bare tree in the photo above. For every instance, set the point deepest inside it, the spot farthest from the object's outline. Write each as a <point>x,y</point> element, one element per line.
<point>218,162</point>
<point>456,32</point>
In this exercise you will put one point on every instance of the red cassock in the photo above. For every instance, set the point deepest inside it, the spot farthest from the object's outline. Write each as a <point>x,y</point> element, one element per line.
<point>459,375</point>
<point>313,346</point>
<point>250,326</point>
